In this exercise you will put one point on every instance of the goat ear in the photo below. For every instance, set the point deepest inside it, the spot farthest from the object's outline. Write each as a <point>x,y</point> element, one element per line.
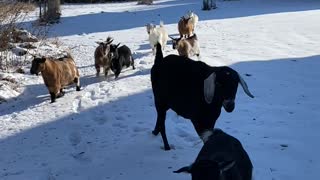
<point>118,45</point>
<point>209,87</point>
<point>43,59</point>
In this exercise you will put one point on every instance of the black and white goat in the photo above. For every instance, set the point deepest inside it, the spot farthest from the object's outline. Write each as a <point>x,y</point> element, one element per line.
<point>120,57</point>
<point>186,46</point>
<point>222,157</point>
<point>193,89</point>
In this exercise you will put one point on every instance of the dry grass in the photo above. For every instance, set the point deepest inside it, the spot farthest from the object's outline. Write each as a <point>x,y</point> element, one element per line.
<point>11,13</point>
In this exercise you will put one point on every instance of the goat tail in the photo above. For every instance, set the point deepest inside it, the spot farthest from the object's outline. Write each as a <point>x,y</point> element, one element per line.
<point>68,55</point>
<point>245,86</point>
<point>161,23</point>
<point>159,55</point>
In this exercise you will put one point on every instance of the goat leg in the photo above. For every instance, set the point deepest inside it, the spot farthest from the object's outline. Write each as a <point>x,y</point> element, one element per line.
<point>132,63</point>
<point>53,97</point>
<point>106,70</point>
<point>77,81</point>
<point>164,136</point>
<point>98,69</point>
<point>61,93</point>
<point>160,127</point>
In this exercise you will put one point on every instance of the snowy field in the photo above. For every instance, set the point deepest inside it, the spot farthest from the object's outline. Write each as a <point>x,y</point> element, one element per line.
<point>104,131</point>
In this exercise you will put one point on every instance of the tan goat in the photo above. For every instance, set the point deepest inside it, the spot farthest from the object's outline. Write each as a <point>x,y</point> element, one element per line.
<point>187,46</point>
<point>56,73</point>
<point>185,27</point>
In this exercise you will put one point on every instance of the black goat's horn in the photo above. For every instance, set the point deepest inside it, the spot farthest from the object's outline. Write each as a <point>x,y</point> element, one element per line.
<point>245,86</point>
<point>186,169</point>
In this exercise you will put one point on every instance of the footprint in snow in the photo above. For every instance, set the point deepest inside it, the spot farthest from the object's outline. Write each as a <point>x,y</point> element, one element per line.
<point>120,125</point>
<point>140,129</point>
<point>82,157</point>
<point>75,138</point>
<point>101,119</point>
<point>76,105</point>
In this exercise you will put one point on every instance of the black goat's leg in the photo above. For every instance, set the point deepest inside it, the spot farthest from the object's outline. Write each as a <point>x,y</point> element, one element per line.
<point>164,136</point>
<point>132,63</point>
<point>160,126</point>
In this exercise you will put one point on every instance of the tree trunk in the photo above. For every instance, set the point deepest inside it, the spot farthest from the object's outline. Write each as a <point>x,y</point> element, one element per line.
<point>209,4</point>
<point>54,12</point>
<point>148,2</point>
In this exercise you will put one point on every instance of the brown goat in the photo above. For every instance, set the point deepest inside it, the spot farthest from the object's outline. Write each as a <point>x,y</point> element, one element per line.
<point>185,27</point>
<point>56,73</point>
<point>101,56</point>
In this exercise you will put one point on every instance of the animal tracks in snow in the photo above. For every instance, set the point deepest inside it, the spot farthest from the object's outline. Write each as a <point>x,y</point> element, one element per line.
<point>75,138</point>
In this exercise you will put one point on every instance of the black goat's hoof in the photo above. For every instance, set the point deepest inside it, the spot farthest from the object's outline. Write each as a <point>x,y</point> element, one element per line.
<point>167,148</point>
<point>154,132</point>
<point>78,88</point>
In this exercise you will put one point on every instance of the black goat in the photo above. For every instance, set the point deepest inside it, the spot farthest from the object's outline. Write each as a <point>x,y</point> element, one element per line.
<point>193,90</point>
<point>222,157</point>
<point>120,57</point>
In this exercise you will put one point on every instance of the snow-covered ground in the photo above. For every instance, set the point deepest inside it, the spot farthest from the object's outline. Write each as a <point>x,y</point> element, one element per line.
<point>104,131</point>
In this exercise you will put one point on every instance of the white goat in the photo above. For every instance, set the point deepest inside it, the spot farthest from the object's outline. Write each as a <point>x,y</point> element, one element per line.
<point>157,34</point>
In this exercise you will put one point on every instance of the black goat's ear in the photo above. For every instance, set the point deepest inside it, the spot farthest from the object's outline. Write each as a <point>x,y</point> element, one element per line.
<point>118,45</point>
<point>209,86</point>
<point>42,60</point>
<point>186,169</point>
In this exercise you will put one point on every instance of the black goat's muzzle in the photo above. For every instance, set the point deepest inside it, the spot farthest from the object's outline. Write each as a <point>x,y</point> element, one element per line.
<point>228,105</point>
<point>34,72</point>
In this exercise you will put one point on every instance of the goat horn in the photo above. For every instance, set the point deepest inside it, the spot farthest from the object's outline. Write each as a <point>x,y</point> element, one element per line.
<point>109,40</point>
<point>245,86</point>
<point>186,169</point>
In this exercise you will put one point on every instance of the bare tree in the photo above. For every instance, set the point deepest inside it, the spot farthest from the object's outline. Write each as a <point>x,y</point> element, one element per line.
<point>148,2</point>
<point>209,4</point>
<point>54,11</point>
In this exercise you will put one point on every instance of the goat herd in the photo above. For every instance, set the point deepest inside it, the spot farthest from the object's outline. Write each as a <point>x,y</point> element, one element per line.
<point>193,89</point>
